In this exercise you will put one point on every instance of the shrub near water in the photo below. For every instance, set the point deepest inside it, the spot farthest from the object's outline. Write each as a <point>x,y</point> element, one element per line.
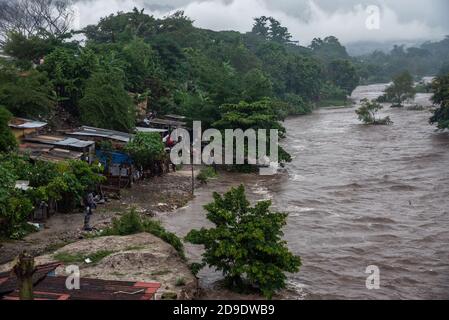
<point>132,223</point>
<point>367,113</point>
<point>206,174</point>
<point>246,243</point>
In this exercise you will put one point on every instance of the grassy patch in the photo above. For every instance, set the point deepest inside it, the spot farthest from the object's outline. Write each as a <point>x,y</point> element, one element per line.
<point>180,282</point>
<point>135,248</point>
<point>132,223</point>
<point>67,258</point>
<point>56,246</point>
<point>206,174</point>
<point>160,273</point>
<point>99,255</point>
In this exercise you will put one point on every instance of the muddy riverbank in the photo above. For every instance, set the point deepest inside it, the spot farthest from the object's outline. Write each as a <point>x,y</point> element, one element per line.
<point>149,197</point>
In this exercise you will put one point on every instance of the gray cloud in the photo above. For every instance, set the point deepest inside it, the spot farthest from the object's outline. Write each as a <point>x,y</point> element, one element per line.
<point>401,20</point>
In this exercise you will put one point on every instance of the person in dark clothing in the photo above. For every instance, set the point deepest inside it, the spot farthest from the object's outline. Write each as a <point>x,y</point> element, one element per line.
<point>89,204</point>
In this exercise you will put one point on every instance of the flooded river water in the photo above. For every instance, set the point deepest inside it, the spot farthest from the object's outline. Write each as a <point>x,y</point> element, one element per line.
<point>357,196</point>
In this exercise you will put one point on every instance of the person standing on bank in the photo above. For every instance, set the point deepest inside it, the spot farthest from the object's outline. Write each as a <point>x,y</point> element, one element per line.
<point>89,204</point>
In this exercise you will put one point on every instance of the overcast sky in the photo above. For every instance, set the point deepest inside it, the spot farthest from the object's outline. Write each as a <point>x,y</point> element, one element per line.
<point>400,20</point>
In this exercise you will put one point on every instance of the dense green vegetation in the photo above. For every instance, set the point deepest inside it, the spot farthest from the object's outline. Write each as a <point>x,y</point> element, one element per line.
<point>65,182</point>
<point>7,140</point>
<point>440,88</point>
<point>145,149</point>
<point>402,89</point>
<point>246,243</point>
<point>179,68</point>
<point>426,60</point>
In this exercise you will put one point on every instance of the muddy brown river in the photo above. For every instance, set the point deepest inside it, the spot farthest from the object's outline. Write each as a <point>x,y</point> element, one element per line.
<point>357,196</point>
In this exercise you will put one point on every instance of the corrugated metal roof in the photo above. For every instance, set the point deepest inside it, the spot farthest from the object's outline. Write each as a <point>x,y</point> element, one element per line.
<point>47,152</point>
<point>142,129</point>
<point>20,123</point>
<point>75,143</point>
<point>175,117</point>
<point>102,133</point>
<point>60,141</point>
<point>168,122</point>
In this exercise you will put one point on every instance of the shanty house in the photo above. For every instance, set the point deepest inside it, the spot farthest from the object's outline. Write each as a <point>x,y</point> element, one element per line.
<point>63,147</point>
<point>167,124</point>
<point>117,138</point>
<point>24,127</point>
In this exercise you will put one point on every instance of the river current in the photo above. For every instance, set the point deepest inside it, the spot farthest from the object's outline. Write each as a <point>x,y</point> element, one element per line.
<point>357,196</point>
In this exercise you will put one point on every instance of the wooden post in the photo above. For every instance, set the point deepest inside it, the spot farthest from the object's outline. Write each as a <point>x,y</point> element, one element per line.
<point>24,270</point>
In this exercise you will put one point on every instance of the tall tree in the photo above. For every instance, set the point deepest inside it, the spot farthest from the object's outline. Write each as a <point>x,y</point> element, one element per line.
<point>271,29</point>
<point>440,88</point>
<point>402,89</point>
<point>329,49</point>
<point>30,17</point>
<point>343,74</point>
<point>246,243</point>
<point>26,94</point>
<point>106,104</point>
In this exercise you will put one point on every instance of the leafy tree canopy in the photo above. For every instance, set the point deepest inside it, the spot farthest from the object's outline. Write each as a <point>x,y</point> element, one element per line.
<point>26,94</point>
<point>145,148</point>
<point>367,113</point>
<point>106,104</point>
<point>271,29</point>
<point>246,243</point>
<point>7,140</point>
<point>440,88</point>
<point>402,89</point>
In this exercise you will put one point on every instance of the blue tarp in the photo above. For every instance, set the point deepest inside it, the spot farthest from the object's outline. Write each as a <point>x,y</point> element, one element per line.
<point>113,158</point>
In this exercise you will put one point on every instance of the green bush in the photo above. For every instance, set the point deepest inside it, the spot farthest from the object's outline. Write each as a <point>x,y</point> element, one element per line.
<point>440,89</point>
<point>15,207</point>
<point>26,95</point>
<point>132,223</point>
<point>206,174</point>
<point>106,104</point>
<point>402,89</point>
<point>367,113</point>
<point>129,223</point>
<point>246,243</point>
<point>145,149</point>
<point>7,140</point>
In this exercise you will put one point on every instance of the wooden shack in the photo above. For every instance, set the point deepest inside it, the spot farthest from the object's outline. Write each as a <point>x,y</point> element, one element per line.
<point>59,147</point>
<point>23,127</point>
<point>118,139</point>
<point>167,124</point>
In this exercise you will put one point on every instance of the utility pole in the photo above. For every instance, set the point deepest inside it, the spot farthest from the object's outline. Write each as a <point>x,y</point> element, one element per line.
<point>24,270</point>
<point>193,171</point>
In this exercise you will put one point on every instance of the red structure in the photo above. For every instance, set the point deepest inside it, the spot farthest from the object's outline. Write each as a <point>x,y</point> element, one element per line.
<point>48,287</point>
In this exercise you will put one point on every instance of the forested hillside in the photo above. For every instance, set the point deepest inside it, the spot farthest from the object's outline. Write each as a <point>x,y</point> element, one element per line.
<point>171,67</point>
<point>430,59</point>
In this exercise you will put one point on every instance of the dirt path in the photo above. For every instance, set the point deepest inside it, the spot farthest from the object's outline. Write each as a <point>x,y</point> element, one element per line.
<point>158,195</point>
